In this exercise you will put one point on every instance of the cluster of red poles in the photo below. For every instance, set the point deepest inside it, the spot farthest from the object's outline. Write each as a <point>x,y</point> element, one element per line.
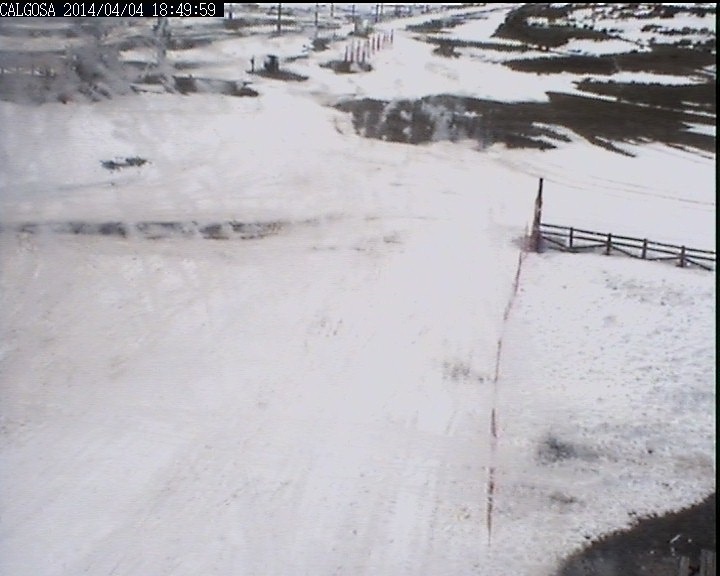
<point>360,51</point>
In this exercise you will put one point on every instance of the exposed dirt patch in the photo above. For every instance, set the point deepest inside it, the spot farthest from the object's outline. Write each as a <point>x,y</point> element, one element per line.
<point>525,124</point>
<point>156,230</point>
<point>552,450</point>
<point>284,75</point>
<point>440,24</point>
<point>180,43</point>
<point>673,60</point>
<point>652,547</point>
<point>118,163</point>
<point>320,44</point>
<point>448,117</point>
<point>347,67</point>
<point>518,27</point>
<point>192,85</point>
<point>446,43</point>
<point>446,49</point>
<point>605,123</point>
<point>702,96</point>
<point>238,23</point>
<point>552,25</point>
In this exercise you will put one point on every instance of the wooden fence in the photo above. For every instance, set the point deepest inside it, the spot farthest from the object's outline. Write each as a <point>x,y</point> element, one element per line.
<point>569,239</point>
<point>706,568</point>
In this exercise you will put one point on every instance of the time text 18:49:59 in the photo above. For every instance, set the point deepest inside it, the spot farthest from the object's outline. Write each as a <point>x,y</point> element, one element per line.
<point>90,9</point>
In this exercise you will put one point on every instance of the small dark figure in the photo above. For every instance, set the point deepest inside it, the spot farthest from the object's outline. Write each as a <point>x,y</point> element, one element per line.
<point>252,64</point>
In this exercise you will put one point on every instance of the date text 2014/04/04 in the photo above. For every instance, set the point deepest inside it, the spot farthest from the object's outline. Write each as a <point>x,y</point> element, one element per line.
<point>110,9</point>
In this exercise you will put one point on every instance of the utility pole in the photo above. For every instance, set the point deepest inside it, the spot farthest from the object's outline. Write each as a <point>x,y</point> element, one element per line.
<point>279,18</point>
<point>317,8</point>
<point>162,36</point>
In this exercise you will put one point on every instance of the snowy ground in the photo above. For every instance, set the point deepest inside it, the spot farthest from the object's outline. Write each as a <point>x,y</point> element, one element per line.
<point>320,401</point>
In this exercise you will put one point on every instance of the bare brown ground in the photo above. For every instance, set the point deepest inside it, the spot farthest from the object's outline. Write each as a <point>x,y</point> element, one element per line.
<point>652,547</point>
<point>603,122</point>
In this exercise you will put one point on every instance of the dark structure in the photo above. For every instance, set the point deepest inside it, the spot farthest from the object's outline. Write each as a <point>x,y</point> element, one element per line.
<point>272,63</point>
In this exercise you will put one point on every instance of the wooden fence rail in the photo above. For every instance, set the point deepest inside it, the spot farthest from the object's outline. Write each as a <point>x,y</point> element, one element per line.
<point>570,239</point>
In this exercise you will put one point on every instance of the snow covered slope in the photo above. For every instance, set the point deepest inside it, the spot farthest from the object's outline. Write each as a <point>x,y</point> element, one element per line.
<point>319,400</point>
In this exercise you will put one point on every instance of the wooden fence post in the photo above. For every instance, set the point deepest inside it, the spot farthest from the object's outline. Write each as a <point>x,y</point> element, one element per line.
<point>644,249</point>
<point>570,238</point>
<point>684,566</point>
<point>707,563</point>
<point>682,257</point>
<point>535,237</point>
<point>608,244</point>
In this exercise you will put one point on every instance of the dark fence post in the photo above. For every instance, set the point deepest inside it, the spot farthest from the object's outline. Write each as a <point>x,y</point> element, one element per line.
<point>644,249</point>
<point>535,236</point>
<point>570,238</point>
<point>608,244</point>
<point>682,257</point>
<point>707,563</point>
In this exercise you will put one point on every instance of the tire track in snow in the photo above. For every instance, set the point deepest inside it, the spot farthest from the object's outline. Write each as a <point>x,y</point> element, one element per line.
<point>491,480</point>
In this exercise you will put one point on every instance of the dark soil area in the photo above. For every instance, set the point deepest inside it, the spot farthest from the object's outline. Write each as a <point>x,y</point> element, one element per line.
<point>191,85</point>
<point>672,60</point>
<point>440,24</point>
<point>156,230</point>
<point>174,43</point>
<point>119,163</point>
<point>701,96</point>
<point>525,124</point>
<point>347,67</point>
<point>553,450</point>
<point>560,28</point>
<point>652,547</point>
<point>238,23</point>
<point>497,46</point>
<point>662,10</point>
<point>284,75</point>
<point>517,27</point>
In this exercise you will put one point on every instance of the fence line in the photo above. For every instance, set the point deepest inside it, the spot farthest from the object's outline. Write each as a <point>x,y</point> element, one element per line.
<point>571,239</point>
